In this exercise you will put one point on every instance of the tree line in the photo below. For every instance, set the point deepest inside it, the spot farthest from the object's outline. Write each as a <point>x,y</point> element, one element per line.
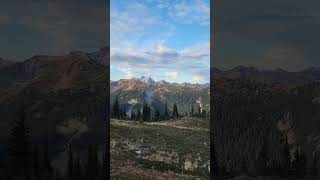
<point>245,138</point>
<point>148,114</point>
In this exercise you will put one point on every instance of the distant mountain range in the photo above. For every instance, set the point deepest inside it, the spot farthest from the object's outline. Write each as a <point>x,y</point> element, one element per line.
<point>275,76</point>
<point>132,93</point>
<point>149,81</point>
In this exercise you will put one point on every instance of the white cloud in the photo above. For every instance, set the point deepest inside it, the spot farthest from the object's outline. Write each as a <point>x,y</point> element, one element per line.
<point>161,49</point>
<point>197,51</point>
<point>172,75</point>
<point>130,22</point>
<point>163,57</point>
<point>196,11</point>
<point>126,70</point>
<point>198,79</point>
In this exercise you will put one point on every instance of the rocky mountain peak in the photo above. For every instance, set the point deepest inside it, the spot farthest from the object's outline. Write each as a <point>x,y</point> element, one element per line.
<point>147,80</point>
<point>101,56</point>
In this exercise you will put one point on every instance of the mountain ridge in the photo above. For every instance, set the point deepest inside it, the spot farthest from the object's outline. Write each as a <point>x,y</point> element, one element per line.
<point>277,75</point>
<point>158,95</point>
<point>150,81</point>
<point>52,90</point>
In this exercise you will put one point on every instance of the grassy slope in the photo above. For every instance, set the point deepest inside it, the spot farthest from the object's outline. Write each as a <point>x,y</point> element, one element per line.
<point>162,150</point>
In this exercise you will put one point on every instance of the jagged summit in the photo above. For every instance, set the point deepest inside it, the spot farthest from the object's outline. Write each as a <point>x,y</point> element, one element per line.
<point>147,80</point>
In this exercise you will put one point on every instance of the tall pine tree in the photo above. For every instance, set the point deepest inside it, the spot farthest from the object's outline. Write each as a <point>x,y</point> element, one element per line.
<point>315,165</point>
<point>192,110</point>
<point>19,148</point>
<point>166,112</point>
<point>116,109</point>
<point>199,110</point>
<point>261,163</point>
<point>175,113</point>
<point>145,112</point>
<point>77,167</point>
<point>157,115</point>
<point>138,117</point>
<point>286,157</point>
<point>36,160</point>
<point>46,159</point>
<point>70,163</point>
<point>299,163</point>
<point>93,165</point>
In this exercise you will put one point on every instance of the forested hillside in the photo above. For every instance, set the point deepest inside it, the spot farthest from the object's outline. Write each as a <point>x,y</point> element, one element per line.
<point>265,129</point>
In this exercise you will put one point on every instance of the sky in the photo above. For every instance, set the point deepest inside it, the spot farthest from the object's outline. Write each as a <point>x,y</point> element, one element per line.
<point>165,40</point>
<point>267,34</point>
<point>51,27</point>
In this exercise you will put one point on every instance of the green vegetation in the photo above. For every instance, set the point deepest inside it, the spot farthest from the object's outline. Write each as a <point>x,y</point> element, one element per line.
<point>174,146</point>
<point>263,129</point>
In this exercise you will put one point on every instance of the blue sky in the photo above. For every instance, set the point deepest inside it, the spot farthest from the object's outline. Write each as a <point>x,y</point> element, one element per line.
<point>166,40</point>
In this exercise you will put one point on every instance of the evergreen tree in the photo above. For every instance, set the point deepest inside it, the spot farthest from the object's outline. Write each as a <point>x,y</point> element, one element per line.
<point>36,161</point>
<point>204,113</point>
<point>315,165</point>
<point>133,115</point>
<point>70,163</point>
<point>19,148</point>
<point>138,115</point>
<point>299,163</point>
<point>166,112</point>
<point>149,113</point>
<point>77,167</point>
<point>192,110</point>
<point>214,160</point>
<point>116,109</point>
<point>286,157</point>
<point>105,174</point>
<point>175,113</point>
<point>199,110</point>
<point>123,113</point>
<point>146,112</point>
<point>157,115</point>
<point>244,167</point>
<point>261,163</point>
<point>93,162</point>
<point>46,160</point>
